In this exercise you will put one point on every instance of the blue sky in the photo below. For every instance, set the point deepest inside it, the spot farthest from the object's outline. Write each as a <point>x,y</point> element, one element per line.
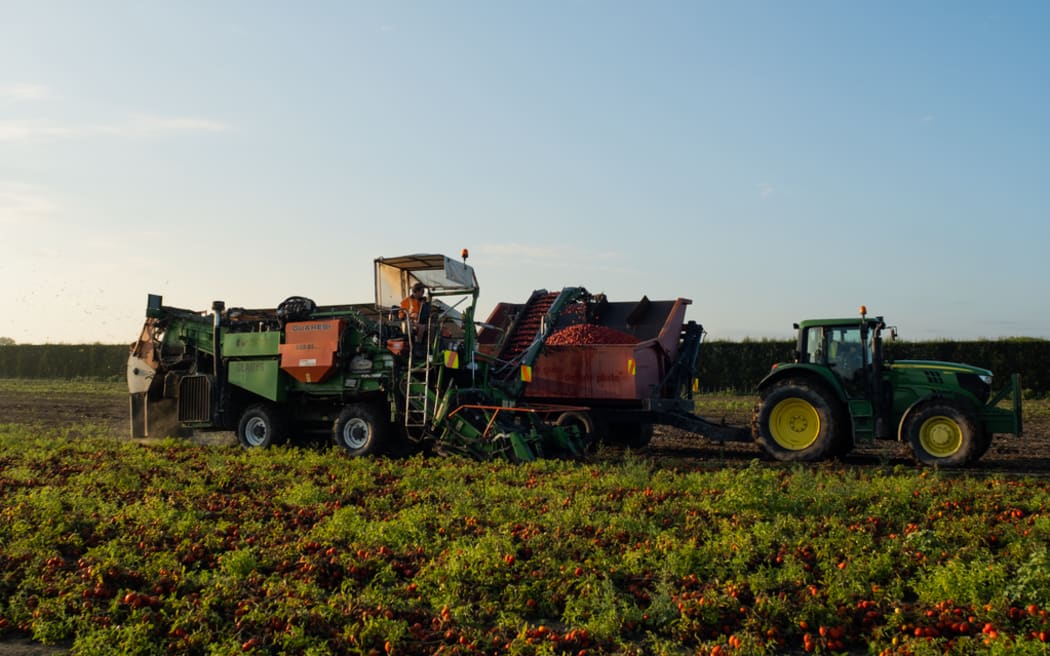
<point>771,161</point>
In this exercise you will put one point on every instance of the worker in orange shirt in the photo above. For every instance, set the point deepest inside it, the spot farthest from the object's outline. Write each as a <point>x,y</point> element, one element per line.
<point>414,305</point>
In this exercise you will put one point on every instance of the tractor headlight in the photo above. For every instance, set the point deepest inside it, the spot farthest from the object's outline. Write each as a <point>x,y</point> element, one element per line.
<point>987,380</point>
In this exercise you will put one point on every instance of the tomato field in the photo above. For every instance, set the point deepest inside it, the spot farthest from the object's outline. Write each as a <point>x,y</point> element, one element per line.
<point>171,546</point>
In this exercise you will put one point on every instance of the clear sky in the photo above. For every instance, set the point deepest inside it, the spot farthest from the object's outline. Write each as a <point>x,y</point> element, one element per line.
<point>772,161</point>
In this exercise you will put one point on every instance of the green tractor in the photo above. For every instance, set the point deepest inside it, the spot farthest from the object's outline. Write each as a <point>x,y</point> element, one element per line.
<point>841,392</point>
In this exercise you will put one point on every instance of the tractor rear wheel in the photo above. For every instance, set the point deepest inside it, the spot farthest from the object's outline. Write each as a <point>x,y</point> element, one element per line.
<point>942,433</point>
<point>797,422</point>
<point>361,429</point>
<point>984,441</point>
<point>261,426</point>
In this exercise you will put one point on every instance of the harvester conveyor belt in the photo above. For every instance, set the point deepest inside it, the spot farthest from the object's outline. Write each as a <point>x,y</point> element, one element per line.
<point>528,325</point>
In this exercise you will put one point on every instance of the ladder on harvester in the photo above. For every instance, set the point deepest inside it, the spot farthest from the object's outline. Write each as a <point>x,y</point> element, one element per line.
<point>417,389</point>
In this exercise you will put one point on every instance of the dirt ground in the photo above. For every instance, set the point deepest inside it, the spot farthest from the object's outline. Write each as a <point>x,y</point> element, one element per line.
<point>55,409</point>
<point>26,647</point>
<point>1007,454</point>
<point>1030,453</point>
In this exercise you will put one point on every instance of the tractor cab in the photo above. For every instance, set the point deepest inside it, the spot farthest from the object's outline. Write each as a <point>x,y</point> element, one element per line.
<point>850,349</point>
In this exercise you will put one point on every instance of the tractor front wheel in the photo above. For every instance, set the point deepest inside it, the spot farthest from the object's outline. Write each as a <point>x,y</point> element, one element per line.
<point>797,422</point>
<point>361,429</point>
<point>261,426</point>
<point>942,434</point>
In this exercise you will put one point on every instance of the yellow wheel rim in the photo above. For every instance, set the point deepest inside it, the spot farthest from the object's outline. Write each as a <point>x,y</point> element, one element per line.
<point>794,424</point>
<point>940,436</point>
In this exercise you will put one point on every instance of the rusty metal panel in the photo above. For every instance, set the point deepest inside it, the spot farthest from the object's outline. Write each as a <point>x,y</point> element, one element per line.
<point>309,349</point>
<point>606,372</point>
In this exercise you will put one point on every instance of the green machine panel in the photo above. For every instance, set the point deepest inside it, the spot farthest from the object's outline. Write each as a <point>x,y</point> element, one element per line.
<point>241,345</point>
<point>259,376</point>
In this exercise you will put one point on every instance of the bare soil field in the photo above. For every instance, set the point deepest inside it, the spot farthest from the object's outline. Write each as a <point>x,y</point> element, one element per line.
<point>1030,453</point>
<point>57,409</point>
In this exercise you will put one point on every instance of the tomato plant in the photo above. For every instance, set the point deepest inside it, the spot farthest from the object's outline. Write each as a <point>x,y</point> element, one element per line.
<point>178,548</point>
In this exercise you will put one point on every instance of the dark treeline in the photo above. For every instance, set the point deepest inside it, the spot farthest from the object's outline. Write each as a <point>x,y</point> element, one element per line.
<point>723,366</point>
<point>739,366</point>
<point>64,361</point>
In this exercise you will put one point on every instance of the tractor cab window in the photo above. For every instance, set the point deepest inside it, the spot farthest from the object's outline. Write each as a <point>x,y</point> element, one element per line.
<point>837,347</point>
<point>846,352</point>
<point>814,346</point>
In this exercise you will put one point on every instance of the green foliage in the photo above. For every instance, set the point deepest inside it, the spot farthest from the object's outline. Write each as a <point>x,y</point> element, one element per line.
<point>55,386</point>
<point>64,361</point>
<point>173,548</point>
<point>739,366</point>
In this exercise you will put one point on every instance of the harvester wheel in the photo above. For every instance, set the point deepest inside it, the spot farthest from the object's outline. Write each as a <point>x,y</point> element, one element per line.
<point>361,429</point>
<point>583,422</point>
<point>261,426</point>
<point>797,422</point>
<point>942,433</point>
<point>503,447</point>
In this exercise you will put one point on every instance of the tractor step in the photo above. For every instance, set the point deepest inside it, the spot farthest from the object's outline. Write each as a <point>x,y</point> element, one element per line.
<point>863,422</point>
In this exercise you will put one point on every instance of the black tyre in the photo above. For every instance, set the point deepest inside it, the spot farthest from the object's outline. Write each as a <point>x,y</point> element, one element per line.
<point>942,434</point>
<point>984,442</point>
<point>798,422</point>
<point>260,427</point>
<point>362,429</point>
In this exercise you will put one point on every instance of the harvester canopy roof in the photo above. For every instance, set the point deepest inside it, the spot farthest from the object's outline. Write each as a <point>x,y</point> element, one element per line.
<point>843,322</point>
<point>442,276</point>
